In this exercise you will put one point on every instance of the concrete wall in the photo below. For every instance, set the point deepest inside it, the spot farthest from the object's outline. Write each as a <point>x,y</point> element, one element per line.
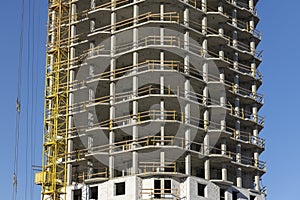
<point>188,189</point>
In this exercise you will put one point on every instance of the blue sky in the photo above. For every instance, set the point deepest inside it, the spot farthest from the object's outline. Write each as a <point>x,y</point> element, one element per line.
<point>281,31</point>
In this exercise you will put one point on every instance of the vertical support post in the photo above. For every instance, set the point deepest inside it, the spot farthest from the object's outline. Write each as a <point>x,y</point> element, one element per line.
<point>135,113</point>
<point>71,95</point>
<point>224,165</point>
<point>257,181</point>
<point>224,172</point>
<point>112,92</point>
<point>234,18</point>
<point>235,39</point>
<point>239,182</point>
<point>205,97</point>
<point>187,89</point>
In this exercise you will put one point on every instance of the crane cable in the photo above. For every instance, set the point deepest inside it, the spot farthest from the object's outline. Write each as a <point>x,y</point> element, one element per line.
<point>27,119</point>
<point>18,107</point>
<point>34,87</point>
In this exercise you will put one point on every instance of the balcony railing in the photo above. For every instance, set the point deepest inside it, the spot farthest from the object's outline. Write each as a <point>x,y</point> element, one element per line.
<point>150,193</point>
<point>165,141</point>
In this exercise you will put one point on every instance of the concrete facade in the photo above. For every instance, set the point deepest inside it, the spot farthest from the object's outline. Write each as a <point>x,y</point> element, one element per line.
<point>139,132</point>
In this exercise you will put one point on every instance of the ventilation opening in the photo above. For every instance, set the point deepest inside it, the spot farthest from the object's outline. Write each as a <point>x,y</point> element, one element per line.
<point>201,190</point>
<point>222,194</point>
<point>77,194</point>
<point>94,192</point>
<point>120,189</point>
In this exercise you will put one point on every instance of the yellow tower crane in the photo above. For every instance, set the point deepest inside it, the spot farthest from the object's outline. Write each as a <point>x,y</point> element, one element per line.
<point>53,177</point>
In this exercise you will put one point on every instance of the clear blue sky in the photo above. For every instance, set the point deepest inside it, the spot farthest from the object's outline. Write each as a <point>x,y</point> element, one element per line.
<point>281,42</point>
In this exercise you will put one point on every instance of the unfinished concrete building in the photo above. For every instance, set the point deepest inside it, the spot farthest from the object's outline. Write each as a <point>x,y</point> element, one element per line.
<point>119,124</point>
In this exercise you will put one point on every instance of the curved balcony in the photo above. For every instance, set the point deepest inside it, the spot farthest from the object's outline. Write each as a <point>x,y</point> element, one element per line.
<point>152,91</point>
<point>168,143</point>
<point>168,41</point>
<point>244,29</point>
<point>244,9</point>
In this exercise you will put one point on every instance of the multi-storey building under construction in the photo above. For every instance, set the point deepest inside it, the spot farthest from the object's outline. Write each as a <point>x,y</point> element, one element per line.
<point>152,99</point>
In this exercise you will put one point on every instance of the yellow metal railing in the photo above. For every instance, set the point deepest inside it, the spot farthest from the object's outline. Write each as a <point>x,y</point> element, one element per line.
<point>84,176</point>
<point>150,193</point>
<point>168,141</point>
<point>152,167</point>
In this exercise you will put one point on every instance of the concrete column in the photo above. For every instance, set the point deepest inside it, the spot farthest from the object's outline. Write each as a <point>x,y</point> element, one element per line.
<point>237,129</point>
<point>221,7</point>
<point>224,172</point>
<point>236,107</point>
<point>90,119</point>
<point>92,25</point>
<point>204,5</point>
<point>251,5</point>
<point>239,182</point>
<point>92,49</point>
<point>239,157</point>
<point>239,152</point>
<point>135,163</point>
<point>221,30</point>
<point>254,89</point>
<point>91,94</point>
<point>235,39</point>
<point>256,158</point>
<point>162,90</point>
<point>255,134</point>
<point>207,169</point>
<point>221,52</point>
<point>73,15</point>
<point>254,112</point>
<point>257,181</point>
<point>90,143</point>
<point>222,97</point>
<point>188,161</point>
<point>112,93</point>
<point>205,96</point>
<point>93,4</point>
<point>234,17</point>
<point>204,25</point>
<point>91,70</point>
<point>252,46</point>
<point>186,16</point>
<point>71,95</point>
<point>253,69</point>
<point>112,116</point>
<point>257,175</point>
<point>223,125</point>
<point>162,107</point>
<point>187,90</point>
<point>236,83</point>
<point>69,166</point>
<point>161,11</point>
<point>251,25</point>
<point>90,169</point>
<point>206,117</point>
<point>236,61</point>
<point>224,146</point>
